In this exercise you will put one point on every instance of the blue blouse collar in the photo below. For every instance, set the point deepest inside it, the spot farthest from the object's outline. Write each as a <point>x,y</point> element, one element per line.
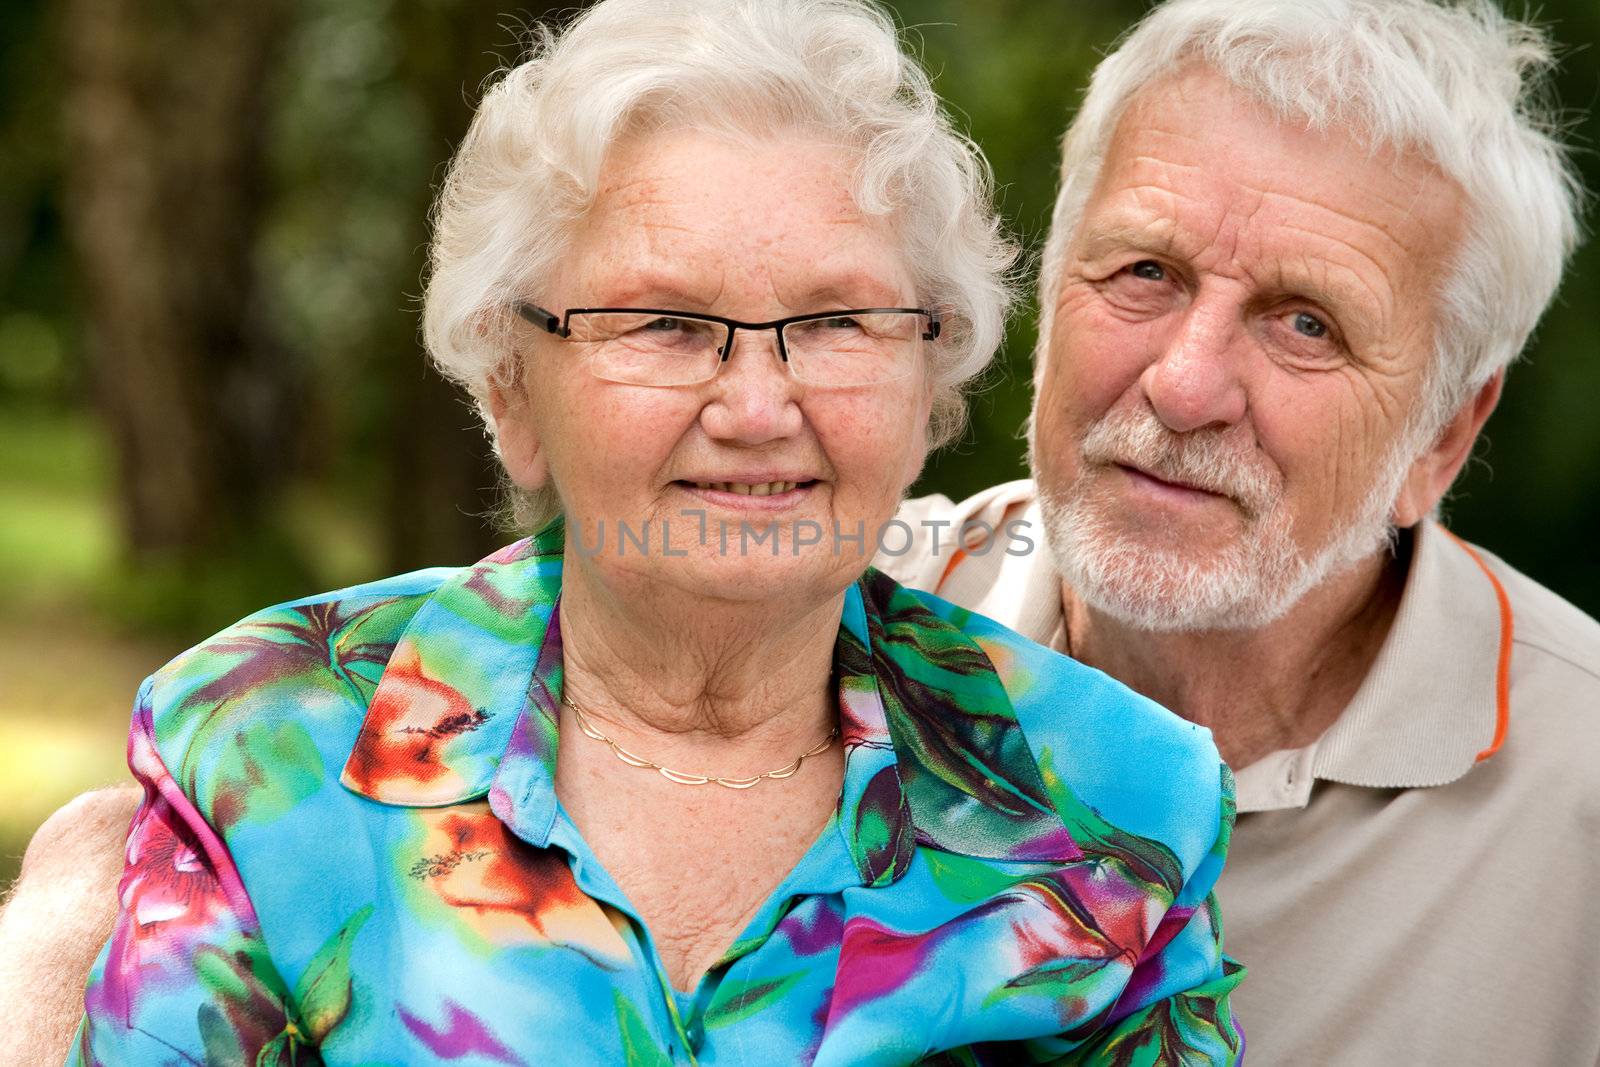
<point>468,705</point>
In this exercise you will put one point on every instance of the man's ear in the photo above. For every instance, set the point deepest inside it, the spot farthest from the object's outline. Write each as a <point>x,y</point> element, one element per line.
<point>517,437</point>
<point>1435,470</point>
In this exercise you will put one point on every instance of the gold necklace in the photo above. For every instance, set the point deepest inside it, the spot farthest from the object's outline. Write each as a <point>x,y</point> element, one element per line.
<point>680,777</point>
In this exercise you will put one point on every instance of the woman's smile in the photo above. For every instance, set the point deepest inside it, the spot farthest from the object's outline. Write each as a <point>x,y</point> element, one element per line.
<point>774,495</point>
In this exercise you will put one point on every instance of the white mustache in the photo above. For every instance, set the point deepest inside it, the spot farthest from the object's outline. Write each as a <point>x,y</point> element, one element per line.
<point>1204,459</point>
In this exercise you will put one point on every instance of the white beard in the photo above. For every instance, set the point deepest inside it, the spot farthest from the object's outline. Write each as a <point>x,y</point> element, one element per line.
<point>1255,580</point>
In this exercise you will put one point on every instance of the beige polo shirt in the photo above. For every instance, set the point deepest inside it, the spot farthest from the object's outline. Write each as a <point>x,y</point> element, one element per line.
<point>1421,884</point>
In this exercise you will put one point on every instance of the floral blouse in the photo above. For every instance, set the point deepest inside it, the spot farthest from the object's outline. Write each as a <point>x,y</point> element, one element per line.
<point>350,851</point>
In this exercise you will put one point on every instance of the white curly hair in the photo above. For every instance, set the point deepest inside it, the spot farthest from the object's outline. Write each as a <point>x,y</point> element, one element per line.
<point>528,169</point>
<point>1457,81</point>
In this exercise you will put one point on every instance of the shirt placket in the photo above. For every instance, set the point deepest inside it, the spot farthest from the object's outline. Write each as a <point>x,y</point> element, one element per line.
<point>523,797</point>
<point>673,1034</point>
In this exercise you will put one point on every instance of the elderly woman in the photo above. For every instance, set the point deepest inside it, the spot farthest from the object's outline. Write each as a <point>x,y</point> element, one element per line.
<point>678,779</point>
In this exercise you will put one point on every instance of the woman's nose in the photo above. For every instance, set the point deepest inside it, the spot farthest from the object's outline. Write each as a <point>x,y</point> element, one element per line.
<point>754,398</point>
<point>1193,382</point>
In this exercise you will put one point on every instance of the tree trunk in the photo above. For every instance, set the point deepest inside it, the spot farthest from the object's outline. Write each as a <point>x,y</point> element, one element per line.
<point>164,113</point>
<point>443,477</point>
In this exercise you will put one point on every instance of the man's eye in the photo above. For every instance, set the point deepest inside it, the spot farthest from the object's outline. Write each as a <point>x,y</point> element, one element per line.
<point>1149,270</point>
<point>1309,325</point>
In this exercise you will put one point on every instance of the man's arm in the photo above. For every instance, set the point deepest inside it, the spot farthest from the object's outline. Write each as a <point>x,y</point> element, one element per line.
<point>58,915</point>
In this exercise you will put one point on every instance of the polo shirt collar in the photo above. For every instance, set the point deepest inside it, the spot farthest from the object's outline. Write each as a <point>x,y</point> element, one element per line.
<point>469,704</point>
<point>1429,708</point>
<point>1025,590</point>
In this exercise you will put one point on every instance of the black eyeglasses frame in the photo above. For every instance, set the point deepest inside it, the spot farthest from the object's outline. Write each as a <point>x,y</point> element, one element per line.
<point>558,324</point>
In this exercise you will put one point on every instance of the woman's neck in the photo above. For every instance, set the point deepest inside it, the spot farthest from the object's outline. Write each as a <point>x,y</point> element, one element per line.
<point>685,677</point>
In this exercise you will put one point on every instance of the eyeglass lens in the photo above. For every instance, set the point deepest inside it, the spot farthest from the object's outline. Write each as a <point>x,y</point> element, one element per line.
<point>652,349</point>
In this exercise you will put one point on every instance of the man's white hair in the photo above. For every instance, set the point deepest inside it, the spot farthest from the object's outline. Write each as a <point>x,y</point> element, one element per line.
<point>528,169</point>
<point>1455,81</point>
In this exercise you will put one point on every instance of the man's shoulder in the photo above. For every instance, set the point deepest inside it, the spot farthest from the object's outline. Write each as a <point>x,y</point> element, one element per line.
<point>987,552</point>
<point>1536,658</point>
<point>1553,721</point>
<point>288,683</point>
<point>931,532</point>
<point>1099,745</point>
<point>1552,644</point>
<point>1548,626</point>
<point>937,520</point>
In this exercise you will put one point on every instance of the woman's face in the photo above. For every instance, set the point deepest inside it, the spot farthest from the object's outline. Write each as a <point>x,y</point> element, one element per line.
<point>693,222</point>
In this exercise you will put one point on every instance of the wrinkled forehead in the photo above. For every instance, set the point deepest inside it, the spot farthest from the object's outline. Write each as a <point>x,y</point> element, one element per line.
<point>1200,170</point>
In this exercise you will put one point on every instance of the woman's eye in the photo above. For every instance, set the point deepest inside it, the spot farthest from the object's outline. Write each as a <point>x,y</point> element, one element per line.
<point>1309,325</point>
<point>663,325</point>
<point>1149,270</point>
<point>842,322</point>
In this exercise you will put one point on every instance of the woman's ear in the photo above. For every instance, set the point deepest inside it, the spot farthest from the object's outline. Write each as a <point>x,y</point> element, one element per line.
<point>516,436</point>
<point>917,458</point>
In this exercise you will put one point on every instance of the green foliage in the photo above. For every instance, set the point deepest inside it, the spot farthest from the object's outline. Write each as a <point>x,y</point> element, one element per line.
<point>40,351</point>
<point>358,96</point>
<point>262,566</point>
<point>57,527</point>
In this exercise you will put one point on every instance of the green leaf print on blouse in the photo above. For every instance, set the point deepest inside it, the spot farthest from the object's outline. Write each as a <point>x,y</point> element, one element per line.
<point>323,991</point>
<point>972,782</point>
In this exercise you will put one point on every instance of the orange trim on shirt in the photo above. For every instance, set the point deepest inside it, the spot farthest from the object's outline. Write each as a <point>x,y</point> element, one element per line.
<point>955,558</point>
<point>1502,681</point>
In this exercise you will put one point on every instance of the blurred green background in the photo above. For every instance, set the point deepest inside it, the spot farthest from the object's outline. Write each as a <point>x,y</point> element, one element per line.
<point>212,219</point>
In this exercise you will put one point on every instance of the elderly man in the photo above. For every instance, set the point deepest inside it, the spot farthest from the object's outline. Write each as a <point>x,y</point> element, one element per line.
<point>1297,243</point>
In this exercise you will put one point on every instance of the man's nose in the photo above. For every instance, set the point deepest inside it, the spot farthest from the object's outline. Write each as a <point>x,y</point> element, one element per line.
<point>754,398</point>
<point>1194,381</point>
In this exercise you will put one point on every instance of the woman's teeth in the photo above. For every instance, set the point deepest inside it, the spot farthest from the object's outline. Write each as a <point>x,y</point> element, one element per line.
<point>744,489</point>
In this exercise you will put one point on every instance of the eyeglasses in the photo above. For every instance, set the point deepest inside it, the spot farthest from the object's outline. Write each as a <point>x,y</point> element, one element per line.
<point>652,346</point>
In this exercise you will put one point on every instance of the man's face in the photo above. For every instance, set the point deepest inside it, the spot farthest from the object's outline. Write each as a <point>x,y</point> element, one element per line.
<point>1241,337</point>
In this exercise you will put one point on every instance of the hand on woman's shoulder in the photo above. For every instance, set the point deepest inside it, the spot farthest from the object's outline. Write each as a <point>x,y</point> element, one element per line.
<point>57,916</point>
